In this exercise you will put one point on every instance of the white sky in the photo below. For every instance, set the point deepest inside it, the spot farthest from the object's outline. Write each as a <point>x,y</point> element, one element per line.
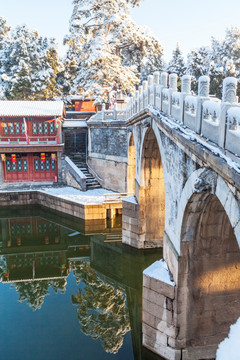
<point>191,23</point>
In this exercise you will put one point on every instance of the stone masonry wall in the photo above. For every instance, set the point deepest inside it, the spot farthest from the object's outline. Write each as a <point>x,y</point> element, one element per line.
<point>159,317</point>
<point>108,153</point>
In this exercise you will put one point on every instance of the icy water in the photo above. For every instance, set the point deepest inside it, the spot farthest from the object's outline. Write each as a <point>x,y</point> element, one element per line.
<point>69,289</point>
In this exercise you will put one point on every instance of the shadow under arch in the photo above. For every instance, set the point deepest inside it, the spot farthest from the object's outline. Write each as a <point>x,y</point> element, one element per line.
<point>131,169</point>
<point>209,276</point>
<point>152,192</point>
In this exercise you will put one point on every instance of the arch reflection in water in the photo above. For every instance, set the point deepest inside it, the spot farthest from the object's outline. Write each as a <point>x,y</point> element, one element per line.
<point>88,276</point>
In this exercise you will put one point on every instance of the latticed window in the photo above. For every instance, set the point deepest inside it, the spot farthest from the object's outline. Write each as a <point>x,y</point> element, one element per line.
<point>25,165</point>
<point>52,128</point>
<point>23,127</point>
<point>34,128</point>
<point>36,164</point>
<point>19,163</point>
<point>11,128</point>
<point>42,167</point>
<point>8,165</point>
<point>53,164</point>
<point>45,128</point>
<point>5,130</point>
<point>47,164</point>
<point>14,166</point>
<point>40,128</point>
<point>17,128</point>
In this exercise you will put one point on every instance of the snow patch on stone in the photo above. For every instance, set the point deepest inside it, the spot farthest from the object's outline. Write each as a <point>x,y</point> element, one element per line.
<point>131,199</point>
<point>96,196</point>
<point>159,271</point>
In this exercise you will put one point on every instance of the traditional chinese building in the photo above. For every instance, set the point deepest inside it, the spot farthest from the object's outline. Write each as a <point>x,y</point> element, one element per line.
<point>30,140</point>
<point>74,128</point>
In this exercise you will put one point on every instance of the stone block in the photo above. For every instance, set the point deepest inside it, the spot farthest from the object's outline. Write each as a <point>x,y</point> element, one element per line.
<point>199,353</point>
<point>154,297</point>
<point>157,311</point>
<point>160,337</point>
<point>165,351</point>
<point>159,286</point>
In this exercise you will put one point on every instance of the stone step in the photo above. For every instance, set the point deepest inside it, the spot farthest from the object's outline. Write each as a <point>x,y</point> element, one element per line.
<point>91,182</point>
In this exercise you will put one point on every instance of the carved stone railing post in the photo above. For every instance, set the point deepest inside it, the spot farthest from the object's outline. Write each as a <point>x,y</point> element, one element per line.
<point>145,93</point>
<point>156,82</point>
<point>140,97</point>
<point>185,91</point>
<point>228,99</point>
<point>229,90</point>
<point>137,101</point>
<point>151,89</point>
<point>163,85</point>
<point>172,88</point>
<point>203,95</point>
<point>164,79</point>
<point>156,76</point>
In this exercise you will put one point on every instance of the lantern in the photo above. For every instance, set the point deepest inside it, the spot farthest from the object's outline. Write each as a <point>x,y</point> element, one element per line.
<point>43,157</point>
<point>13,156</point>
<point>3,157</point>
<point>19,241</point>
<point>53,156</point>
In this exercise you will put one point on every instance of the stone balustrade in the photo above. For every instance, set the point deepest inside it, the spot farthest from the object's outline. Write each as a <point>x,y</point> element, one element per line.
<point>216,120</point>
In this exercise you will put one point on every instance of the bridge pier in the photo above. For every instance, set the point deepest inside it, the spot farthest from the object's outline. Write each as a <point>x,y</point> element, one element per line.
<point>187,318</point>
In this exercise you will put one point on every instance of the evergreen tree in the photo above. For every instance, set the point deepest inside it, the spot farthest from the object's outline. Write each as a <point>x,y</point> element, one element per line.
<point>4,40</point>
<point>198,64</point>
<point>108,48</point>
<point>30,66</point>
<point>177,64</point>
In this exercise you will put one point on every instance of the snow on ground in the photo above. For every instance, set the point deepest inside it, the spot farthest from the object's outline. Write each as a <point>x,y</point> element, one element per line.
<point>159,271</point>
<point>229,348</point>
<point>96,196</point>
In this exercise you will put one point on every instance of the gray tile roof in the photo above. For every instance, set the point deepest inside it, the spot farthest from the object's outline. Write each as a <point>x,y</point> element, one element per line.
<point>31,108</point>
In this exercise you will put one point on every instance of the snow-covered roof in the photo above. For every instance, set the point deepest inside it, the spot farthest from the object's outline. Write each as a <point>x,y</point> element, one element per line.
<point>74,123</point>
<point>31,108</point>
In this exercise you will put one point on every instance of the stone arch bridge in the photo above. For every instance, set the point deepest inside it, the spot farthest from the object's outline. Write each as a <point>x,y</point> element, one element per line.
<point>184,172</point>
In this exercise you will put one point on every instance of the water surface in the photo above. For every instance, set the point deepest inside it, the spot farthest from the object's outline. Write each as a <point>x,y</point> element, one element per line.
<point>69,288</point>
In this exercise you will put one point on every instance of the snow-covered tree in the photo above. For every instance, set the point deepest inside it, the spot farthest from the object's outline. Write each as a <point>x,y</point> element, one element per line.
<point>109,49</point>
<point>29,66</point>
<point>198,64</point>
<point>177,64</point>
<point>4,39</point>
<point>225,60</point>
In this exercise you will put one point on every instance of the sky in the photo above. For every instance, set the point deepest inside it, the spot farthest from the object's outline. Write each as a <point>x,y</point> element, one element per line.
<point>190,23</point>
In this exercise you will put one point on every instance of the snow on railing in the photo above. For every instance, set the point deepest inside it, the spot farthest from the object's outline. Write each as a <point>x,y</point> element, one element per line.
<point>218,121</point>
<point>233,130</point>
<point>211,114</point>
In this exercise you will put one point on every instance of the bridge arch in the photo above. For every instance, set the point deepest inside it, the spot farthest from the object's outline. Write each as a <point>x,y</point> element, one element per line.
<point>131,169</point>
<point>152,190</point>
<point>209,267</point>
<point>222,192</point>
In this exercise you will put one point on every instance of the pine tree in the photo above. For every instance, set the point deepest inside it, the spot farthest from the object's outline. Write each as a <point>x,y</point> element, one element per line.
<point>225,59</point>
<point>108,48</point>
<point>177,64</point>
<point>4,40</point>
<point>30,67</point>
<point>198,64</point>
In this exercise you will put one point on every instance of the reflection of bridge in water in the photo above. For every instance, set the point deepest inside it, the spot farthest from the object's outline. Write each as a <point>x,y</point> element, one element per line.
<point>38,251</point>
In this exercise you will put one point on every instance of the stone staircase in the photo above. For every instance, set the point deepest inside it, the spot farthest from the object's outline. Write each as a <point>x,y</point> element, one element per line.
<point>91,182</point>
